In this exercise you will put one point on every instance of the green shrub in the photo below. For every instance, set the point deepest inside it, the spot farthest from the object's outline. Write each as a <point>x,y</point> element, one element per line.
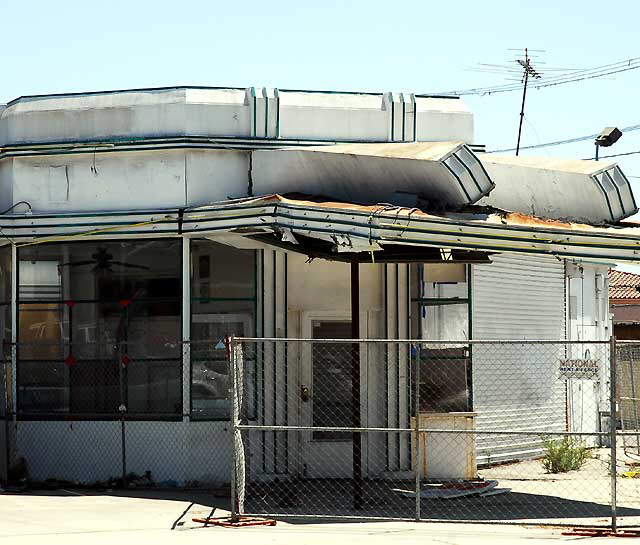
<point>563,455</point>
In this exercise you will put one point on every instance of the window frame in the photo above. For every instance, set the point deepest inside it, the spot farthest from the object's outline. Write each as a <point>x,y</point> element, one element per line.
<point>421,301</point>
<point>103,416</point>
<point>253,321</point>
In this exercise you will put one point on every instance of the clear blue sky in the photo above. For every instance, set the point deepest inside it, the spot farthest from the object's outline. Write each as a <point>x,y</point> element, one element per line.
<point>415,46</point>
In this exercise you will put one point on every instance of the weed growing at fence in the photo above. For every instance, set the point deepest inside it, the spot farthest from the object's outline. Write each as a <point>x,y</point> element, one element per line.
<point>562,455</point>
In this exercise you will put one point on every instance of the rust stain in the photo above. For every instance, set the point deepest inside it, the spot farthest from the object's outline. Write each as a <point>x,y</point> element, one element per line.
<point>473,214</point>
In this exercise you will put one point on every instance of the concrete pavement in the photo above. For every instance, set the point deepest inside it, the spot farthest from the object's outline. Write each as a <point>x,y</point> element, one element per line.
<point>74,517</point>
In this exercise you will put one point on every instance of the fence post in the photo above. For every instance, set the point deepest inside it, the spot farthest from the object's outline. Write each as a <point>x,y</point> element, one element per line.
<point>634,401</point>
<point>418,445</point>
<point>122,409</point>
<point>613,430</point>
<point>230,342</point>
<point>123,445</point>
<point>6,414</point>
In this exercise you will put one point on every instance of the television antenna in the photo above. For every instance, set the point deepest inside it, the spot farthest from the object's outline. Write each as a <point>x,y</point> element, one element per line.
<point>528,71</point>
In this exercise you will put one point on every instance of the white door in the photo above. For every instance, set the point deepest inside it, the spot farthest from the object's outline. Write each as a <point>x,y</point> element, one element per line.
<point>583,394</point>
<point>325,397</point>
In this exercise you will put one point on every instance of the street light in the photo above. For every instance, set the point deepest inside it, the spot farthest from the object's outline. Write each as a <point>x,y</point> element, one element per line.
<point>608,137</point>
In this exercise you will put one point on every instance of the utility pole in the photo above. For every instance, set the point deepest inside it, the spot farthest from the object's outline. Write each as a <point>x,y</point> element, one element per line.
<point>528,70</point>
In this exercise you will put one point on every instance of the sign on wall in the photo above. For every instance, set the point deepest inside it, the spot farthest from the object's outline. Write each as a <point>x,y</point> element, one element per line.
<point>585,368</point>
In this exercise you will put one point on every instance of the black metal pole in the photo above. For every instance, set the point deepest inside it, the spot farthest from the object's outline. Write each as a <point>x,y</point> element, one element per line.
<point>355,385</point>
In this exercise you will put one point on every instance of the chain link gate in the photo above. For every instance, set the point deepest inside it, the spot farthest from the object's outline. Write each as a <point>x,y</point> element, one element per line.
<point>482,431</point>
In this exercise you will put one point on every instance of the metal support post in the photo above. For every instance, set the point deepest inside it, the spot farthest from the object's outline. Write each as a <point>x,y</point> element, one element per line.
<point>230,342</point>
<point>123,444</point>
<point>612,430</point>
<point>634,400</point>
<point>6,414</point>
<point>356,436</point>
<point>418,446</point>
<point>122,409</point>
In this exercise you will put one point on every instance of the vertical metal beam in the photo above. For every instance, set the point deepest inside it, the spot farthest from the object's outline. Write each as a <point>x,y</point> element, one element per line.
<point>13,387</point>
<point>386,365</point>
<point>274,356</point>
<point>286,350</point>
<point>355,385</point>
<point>186,329</point>
<point>470,337</point>
<point>418,443</point>
<point>14,329</point>
<point>635,399</point>
<point>613,431</point>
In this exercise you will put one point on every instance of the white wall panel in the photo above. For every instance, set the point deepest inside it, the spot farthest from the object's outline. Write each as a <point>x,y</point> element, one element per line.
<point>6,183</point>
<point>104,181</point>
<point>252,112</point>
<point>216,175</point>
<point>89,451</point>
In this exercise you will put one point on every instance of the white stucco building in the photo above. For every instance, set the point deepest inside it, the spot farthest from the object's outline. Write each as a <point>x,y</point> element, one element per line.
<point>143,226</point>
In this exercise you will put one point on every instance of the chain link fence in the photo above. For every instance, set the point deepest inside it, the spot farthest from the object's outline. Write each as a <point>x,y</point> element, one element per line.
<point>511,431</point>
<point>110,415</point>
<point>537,432</point>
<point>628,395</point>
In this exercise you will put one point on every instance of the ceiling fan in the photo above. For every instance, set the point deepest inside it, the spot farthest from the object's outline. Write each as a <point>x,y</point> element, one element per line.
<point>103,262</point>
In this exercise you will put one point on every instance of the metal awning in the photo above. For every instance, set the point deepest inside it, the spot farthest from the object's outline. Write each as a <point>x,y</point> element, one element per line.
<point>323,249</point>
<point>343,227</point>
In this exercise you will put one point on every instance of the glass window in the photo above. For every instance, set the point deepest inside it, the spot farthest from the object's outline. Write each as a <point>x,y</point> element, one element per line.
<point>439,299</point>
<point>331,380</point>
<point>443,379</point>
<point>221,271</point>
<point>223,303</point>
<point>100,327</point>
<point>101,271</point>
<point>440,312</point>
<point>449,322</point>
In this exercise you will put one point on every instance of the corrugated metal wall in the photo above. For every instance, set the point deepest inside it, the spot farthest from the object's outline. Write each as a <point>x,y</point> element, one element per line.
<point>516,387</point>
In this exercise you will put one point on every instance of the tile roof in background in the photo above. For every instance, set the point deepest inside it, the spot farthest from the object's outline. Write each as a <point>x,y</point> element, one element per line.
<point>624,285</point>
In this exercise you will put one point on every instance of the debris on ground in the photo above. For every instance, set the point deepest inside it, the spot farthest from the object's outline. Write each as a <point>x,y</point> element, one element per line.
<point>235,522</point>
<point>452,490</point>
<point>601,532</point>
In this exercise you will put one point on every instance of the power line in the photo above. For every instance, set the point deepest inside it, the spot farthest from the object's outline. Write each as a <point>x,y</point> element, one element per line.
<point>579,75</point>
<point>571,77</point>
<point>616,155</point>
<point>567,141</point>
